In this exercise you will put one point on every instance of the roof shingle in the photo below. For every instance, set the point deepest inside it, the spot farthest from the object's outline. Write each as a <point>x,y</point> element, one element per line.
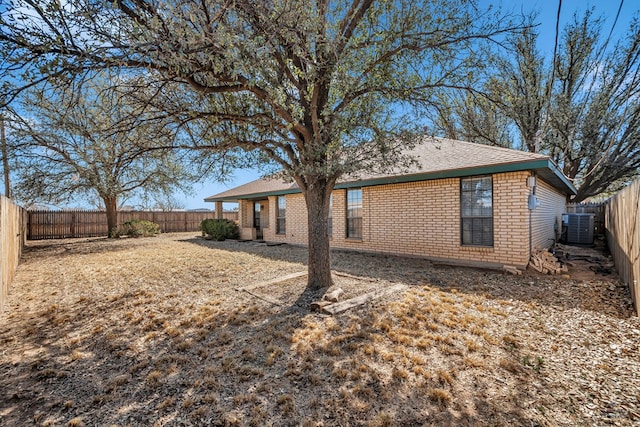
<point>435,157</point>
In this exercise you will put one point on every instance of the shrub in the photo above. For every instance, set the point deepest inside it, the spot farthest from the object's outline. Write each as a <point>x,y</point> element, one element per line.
<point>219,229</point>
<point>140,228</point>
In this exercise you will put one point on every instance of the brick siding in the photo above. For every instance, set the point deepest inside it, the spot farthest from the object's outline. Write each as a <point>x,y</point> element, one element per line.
<point>247,232</point>
<point>421,219</point>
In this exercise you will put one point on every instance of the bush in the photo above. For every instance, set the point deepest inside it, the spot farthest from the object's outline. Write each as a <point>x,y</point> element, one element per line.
<point>140,228</point>
<point>219,229</point>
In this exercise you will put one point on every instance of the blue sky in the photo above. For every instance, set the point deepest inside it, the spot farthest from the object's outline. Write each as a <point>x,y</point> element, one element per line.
<point>547,12</point>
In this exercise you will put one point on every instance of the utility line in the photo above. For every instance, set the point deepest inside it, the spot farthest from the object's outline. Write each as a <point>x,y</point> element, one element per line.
<point>550,87</point>
<point>615,21</point>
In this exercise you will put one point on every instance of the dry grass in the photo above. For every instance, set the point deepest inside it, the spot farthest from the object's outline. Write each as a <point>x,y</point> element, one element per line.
<point>154,332</point>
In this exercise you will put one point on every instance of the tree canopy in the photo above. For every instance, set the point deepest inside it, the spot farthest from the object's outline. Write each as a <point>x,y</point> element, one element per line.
<point>89,140</point>
<point>582,109</point>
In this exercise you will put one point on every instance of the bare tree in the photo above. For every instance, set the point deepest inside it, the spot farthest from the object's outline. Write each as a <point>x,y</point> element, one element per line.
<point>167,203</point>
<point>473,117</point>
<point>320,88</point>
<point>85,140</point>
<point>594,129</point>
<point>582,109</point>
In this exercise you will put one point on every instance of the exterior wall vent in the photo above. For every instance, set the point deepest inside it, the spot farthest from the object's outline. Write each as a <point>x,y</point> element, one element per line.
<point>580,228</point>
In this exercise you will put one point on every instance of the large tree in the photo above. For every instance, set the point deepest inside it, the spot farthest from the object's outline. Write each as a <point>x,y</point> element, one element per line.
<point>89,140</point>
<point>513,94</point>
<point>321,88</point>
<point>472,117</point>
<point>594,125</point>
<point>582,108</point>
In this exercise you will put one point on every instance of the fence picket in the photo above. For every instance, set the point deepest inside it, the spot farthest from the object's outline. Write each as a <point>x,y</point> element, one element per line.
<point>622,224</point>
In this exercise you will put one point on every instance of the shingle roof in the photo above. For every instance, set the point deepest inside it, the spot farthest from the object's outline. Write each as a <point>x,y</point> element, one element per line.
<point>259,186</point>
<point>435,158</point>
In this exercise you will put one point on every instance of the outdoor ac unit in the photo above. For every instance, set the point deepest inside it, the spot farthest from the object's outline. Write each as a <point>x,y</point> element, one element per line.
<point>580,228</point>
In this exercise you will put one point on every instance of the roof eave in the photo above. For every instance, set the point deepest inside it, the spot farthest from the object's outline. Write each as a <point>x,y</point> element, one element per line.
<point>250,196</point>
<point>553,175</point>
<point>220,199</point>
<point>544,167</point>
<point>537,165</point>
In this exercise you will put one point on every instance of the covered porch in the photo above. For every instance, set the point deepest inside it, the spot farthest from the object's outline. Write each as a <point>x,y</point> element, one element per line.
<point>253,216</point>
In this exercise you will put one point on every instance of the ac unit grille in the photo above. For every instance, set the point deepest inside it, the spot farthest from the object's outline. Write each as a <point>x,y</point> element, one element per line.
<point>580,228</point>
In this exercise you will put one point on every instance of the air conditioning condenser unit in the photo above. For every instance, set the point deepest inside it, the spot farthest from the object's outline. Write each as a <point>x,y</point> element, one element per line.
<point>580,228</point>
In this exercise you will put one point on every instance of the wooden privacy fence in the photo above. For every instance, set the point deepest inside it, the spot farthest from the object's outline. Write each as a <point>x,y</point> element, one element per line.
<point>13,220</point>
<point>598,209</point>
<point>622,223</point>
<point>47,224</point>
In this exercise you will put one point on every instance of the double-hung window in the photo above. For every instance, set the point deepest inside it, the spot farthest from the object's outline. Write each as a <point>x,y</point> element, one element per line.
<point>281,214</point>
<point>354,213</point>
<point>476,211</point>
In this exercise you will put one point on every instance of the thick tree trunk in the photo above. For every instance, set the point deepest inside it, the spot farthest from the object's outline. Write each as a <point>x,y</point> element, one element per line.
<point>111,205</point>
<point>317,200</point>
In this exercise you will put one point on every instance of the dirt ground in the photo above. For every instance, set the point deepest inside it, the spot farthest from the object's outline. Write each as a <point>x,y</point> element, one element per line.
<point>155,332</point>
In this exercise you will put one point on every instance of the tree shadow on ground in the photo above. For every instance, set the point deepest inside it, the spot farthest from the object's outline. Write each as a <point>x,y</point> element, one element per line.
<point>142,359</point>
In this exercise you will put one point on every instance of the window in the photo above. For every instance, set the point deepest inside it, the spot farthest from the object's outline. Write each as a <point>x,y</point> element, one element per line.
<point>476,211</point>
<point>330,219</point>
<point>281,215</point>
<point>354,213</point>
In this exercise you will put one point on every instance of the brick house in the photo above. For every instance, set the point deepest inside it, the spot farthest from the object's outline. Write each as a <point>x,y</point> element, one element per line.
<point>462,203</point>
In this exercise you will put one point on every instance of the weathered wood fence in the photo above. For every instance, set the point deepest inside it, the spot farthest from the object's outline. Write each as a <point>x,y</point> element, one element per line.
<point>45,224</point>
<point>598,209</point>
<point>622,223</point>
<point>13,220</point>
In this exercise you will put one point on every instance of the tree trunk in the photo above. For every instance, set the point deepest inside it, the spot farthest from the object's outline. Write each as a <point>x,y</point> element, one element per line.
<point>319,265</point>
<point>111,205</point>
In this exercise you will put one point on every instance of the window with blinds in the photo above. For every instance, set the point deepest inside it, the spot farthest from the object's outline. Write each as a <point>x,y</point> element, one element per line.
<point>476,211</point>
<point>281,211</point>
<point>354,213</point>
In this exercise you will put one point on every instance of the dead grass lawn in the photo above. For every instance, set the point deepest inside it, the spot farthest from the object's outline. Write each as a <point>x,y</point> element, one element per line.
<point>154,332</point>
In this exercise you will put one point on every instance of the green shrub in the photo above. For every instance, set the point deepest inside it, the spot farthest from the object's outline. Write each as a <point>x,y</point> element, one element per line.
<point>219,229</point>
<point>140,228</point>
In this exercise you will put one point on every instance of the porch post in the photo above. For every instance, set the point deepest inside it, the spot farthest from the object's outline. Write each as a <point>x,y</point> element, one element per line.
<point>218,210</point>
